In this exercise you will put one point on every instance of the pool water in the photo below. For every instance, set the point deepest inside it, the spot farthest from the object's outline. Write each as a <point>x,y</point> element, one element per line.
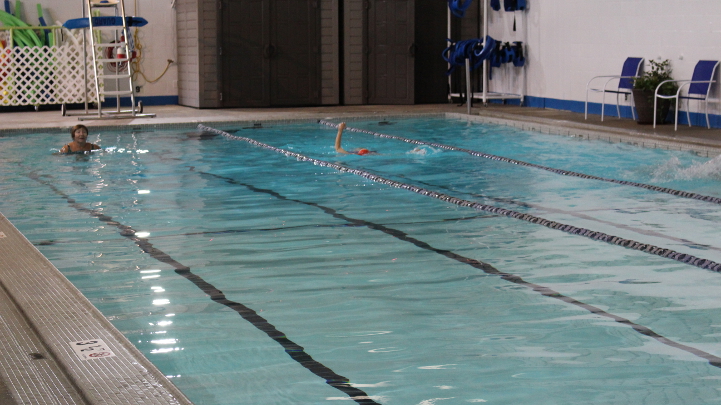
<point>250,277</point>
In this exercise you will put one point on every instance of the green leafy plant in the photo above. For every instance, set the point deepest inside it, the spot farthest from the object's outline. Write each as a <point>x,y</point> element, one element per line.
<point>660,71</point>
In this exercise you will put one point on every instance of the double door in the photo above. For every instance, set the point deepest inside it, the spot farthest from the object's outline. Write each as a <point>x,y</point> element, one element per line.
<point>270,53</point>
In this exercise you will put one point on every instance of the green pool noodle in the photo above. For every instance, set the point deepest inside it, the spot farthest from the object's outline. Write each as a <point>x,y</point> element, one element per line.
<point>19,37</point>
<point>26,37</point>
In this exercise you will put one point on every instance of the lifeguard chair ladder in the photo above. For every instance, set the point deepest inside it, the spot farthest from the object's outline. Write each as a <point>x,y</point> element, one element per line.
<point>117,25</point>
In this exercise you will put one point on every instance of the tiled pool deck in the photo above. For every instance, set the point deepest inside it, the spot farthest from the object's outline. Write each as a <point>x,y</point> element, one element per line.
<point>41,313</point>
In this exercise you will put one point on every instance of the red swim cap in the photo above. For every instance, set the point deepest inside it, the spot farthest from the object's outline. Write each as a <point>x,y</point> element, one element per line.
<point>363,151</point>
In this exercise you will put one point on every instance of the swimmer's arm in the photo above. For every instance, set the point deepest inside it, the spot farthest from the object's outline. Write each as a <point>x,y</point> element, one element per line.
<point>65,149</point>
<point>338,137</point>
<point>94,146</point>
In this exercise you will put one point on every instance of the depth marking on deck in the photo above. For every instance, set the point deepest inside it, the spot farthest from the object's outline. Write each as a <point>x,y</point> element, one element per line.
<point>91,349</point>
<point>294,350</point>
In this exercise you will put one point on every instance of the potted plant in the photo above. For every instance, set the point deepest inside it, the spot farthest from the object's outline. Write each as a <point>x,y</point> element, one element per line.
<point>644,88</point>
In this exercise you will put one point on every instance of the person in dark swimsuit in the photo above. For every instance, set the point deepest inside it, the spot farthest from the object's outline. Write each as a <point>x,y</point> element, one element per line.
<point>79,133</point>
<point>339,149</point>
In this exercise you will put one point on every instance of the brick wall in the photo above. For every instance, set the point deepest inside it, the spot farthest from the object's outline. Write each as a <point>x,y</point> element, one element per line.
<point>354,58</point>
<point>209,64</point>
<point>188,53</point>
<point>330,69</point>
<point>198,61</point>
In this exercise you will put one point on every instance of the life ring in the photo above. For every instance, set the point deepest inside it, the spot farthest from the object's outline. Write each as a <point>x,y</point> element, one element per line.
<point>118,52</point>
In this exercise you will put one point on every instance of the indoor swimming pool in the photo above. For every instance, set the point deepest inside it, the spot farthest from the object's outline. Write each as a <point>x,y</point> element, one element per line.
<point>462,263</point>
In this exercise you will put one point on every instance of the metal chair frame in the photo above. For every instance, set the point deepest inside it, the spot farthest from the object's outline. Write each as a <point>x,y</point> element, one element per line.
<point>624,82</point>
<point>702,89</point>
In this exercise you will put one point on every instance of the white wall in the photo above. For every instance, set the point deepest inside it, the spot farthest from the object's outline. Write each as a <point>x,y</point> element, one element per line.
<point>570,41</point>
<point>157,38</point>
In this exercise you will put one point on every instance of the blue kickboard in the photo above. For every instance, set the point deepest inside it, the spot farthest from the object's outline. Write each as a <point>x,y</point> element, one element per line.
<point>104,21</point>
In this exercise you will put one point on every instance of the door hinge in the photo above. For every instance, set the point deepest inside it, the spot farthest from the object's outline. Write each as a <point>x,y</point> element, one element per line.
<point>220,5</point>
<point>366,4</point>
<point>220,50</point>
<point>221,96</point>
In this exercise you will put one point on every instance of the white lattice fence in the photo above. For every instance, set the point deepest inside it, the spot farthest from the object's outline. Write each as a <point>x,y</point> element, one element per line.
<point>40,75</point>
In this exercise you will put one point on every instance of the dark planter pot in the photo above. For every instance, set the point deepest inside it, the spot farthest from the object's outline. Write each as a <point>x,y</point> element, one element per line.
<point>643,99</point>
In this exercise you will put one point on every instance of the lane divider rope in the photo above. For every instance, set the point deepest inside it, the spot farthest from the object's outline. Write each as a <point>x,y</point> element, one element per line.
<point>600,236</point>
<point>678,193</point>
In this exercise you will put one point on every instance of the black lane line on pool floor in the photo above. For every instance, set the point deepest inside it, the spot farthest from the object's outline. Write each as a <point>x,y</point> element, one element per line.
<point>294,350</point>
<point>253,230</point>
<point>678,193</point>
<point>297,352</point>
<point>595,235</point>
<point>485,267</point>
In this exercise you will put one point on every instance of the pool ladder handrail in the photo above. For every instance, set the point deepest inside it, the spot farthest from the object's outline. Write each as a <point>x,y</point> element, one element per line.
<point>99,50</point>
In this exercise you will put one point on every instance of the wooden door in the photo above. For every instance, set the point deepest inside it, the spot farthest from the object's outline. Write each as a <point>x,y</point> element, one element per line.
<point>295,63</point>
<point>391,49</point>
<point>270,53</point>
<point>245,65</point>
<point>431,84</point>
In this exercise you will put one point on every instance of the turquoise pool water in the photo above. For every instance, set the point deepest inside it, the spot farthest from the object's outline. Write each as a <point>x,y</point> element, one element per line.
<point>251,277</point>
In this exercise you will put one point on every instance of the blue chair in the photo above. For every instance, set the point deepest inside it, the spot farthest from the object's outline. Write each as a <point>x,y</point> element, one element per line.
<point>699,88</point>
<point>631,70</point>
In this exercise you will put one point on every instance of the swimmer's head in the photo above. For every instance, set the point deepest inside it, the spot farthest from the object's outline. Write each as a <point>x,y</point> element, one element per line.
<point>363,151</point>
<point>77,130</point>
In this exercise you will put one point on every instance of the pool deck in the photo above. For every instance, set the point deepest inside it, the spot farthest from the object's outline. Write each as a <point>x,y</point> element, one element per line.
<point>41,313</point>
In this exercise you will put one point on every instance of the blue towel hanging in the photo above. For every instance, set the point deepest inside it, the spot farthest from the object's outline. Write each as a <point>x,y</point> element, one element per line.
<point>458,7</point>
<point>496,4</point>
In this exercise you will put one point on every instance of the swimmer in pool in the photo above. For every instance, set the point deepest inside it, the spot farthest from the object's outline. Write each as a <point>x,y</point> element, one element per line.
<point>79,133</point>
<point>339,149</point>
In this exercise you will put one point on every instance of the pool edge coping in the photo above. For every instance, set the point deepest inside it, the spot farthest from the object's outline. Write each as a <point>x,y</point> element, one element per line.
<point>60,314</point>
<point>594,132</point>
